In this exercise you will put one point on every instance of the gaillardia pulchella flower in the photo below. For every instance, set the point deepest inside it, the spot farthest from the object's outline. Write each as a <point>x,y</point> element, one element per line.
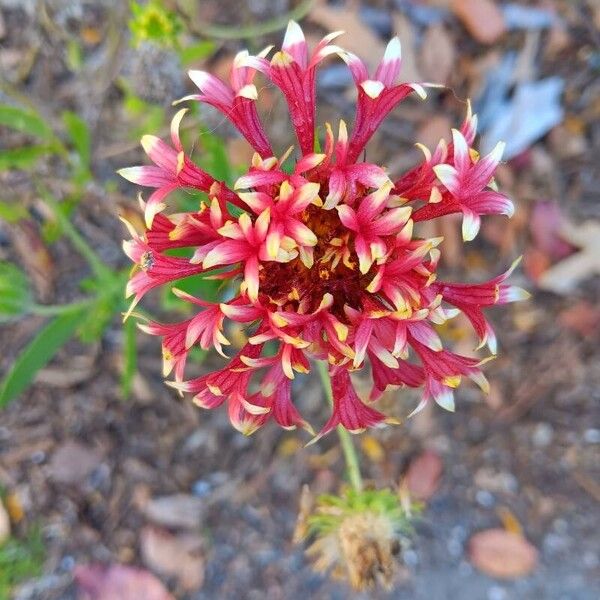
<point>318,247</point>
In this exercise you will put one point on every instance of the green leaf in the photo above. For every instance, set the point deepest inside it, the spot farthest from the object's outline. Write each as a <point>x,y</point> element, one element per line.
<point>22,158</point>
<point>20,559</point>
<point>12,212</point>
<point>214,158</point>
<point>39,352</point>
<point>15,294</point>
<point>198,51</point>
<point>25,121</point>
<point>79,135</point>
<point>129,356</point>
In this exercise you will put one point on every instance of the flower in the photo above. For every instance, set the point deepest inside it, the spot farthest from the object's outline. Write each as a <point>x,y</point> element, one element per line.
<point>322,259</point>
<point>355,536</point>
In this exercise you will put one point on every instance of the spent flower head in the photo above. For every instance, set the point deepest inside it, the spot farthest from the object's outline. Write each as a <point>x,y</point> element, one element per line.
<point>355,536</point>
<point>323,258</point>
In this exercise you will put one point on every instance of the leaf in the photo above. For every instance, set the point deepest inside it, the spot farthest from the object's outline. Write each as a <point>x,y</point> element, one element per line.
<point>423,475</point>
<point>359,37</point>
<point>196,52</point>
<point>25,121</point>
<point>180,556</point>
<point>502,554</point>
<point>4,523</point>
<point>437,54</point>
<point>215,158</point>
<point>566,275</point>
<point>129,356</point>
<point>15,293</point>
<point>22,158</point>
<point>20,559</point>
<point>38,353</point>
<point>34,256</point>
<point>118,582</point>
<point>79,134</point>
<point>12,212</point>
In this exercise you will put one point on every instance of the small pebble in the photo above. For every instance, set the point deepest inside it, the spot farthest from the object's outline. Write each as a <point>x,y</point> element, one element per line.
<point>542,435</point>
<point>485,499</point>
<point>591,560</point>
<point>455,548</point>
<point>497,593</point>
<point>591,436</point>
<point>38,457</point>
<point>411,558</point>
<point>201,488</point>
<point>67,563</point>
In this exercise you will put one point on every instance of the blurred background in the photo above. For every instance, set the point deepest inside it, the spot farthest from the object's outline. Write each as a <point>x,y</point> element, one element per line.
<point>100,463</point>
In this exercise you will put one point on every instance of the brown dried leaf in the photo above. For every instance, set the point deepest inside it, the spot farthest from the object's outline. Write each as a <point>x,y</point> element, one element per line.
<point>433,129</point>
<point>97,582</point>
<point>482,19</point>
<point>582,317</point>
<point>502,554</point>
<point>180,556</point>
<point>423,475</point>
<point>565,275</point>
<point>358,38</point>
<point>405,31</point>
<point>35,257</point>
<point>4,523</point>
<point>437,54</point>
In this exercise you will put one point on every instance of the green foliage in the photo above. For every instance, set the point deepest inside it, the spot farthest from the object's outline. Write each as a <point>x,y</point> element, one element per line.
<point>79,136</point>
<point>153,22</point>
<point>15,293</point>
<point>129,356</point>
<point>146,116</point>
<point>20,560</point>
<point>25,121</point>
<point>332,510</point>
<point>39,352</point>
<point>104,299</point>
<point>196,52</point>
<point>33,125</point>
<point>12,212</point>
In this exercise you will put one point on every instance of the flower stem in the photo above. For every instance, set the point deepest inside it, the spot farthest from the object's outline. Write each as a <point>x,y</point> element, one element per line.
<point>225,32</point>
<point>348,449</point>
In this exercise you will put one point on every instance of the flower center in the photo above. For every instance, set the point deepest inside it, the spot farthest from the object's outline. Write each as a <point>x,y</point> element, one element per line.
<point>333,271</point>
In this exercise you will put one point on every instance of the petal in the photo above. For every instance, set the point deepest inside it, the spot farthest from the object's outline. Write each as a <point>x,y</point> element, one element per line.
<point>389,68</point>
<point>470,225</point>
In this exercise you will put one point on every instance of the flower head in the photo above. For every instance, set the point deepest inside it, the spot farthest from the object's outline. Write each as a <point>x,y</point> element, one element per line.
<point>355,536</point>
<point>322,259</point>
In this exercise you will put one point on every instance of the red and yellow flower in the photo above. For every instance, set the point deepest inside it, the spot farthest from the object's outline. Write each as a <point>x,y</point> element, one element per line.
<point>321,258</point>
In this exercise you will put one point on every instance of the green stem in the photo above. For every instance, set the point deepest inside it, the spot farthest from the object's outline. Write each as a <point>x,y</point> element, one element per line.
<point>224,32</point>
<point>50,310</point>
<point>348,449</point>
